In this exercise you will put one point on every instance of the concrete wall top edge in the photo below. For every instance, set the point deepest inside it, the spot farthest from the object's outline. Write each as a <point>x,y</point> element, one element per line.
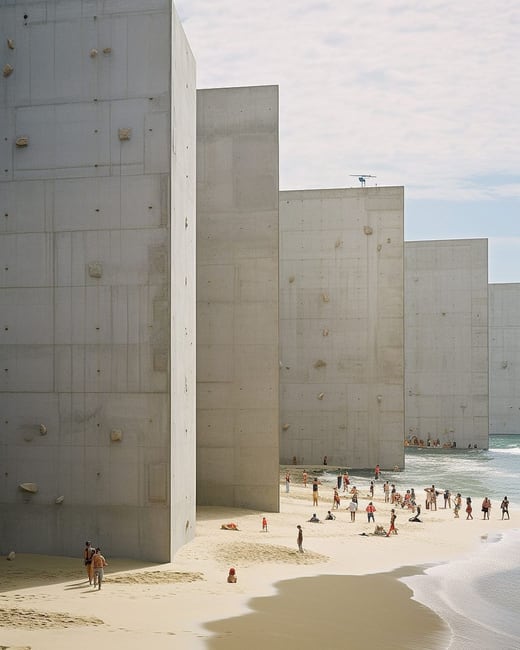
<point>336,192</point>
<point>238,88</point>
<point>446,242</point>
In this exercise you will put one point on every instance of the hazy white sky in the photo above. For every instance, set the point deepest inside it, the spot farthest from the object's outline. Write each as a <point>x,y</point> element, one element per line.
<point>420,94</point>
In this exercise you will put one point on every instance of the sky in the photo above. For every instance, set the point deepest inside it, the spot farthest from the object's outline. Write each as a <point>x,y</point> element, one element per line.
<point>420,94</point>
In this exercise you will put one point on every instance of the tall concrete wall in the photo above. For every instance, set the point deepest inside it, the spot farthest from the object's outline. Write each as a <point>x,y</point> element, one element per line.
<point>237,297</point>
<point>504,358</point>
<point>341,326</point>
<point>446,341</point>
<point>85,285</point>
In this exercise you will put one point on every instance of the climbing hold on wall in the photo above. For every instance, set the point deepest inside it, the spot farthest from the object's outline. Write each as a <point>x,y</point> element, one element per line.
<point>379,247</point>
<point>338,243</point>
<point>95,269</point>
<point>325,332</point>
<point>124,133</point>
<point>116,435</point>
<point>32,488</point>
<point>320,363</point>
<point>286,426</point>
<point>59,499</point>
<point>43,430</point>
<point>321,395</point>
<point>325,297</point>
<point>11,556</point>
<point>10,43</point>
<point>7,70</point>
<point>367,230</point>
<point>291,278</point>
<point>22,141</point>
<point>107,50</point>
<point>93,53</point>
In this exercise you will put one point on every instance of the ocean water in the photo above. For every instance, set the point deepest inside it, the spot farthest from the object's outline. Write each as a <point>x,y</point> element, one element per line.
<point>478,596</point>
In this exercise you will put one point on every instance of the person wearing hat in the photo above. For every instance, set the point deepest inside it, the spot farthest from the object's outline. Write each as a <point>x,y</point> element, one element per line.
<point>232,576</point>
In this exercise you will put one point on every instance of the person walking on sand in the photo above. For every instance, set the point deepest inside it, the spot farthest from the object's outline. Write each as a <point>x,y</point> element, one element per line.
<point>88,552</point>
<point>386,490</point>
<point>339,479</point>
<point>264,524</point>
<point>377,472</point>
<point>469,508</point>
<point>486,507</point>
<point>299,539</point>
<point>458,502</point>
<point>346,481</point>
<point>447,499</point>
<point>336,502</point>
<point>392,528</point>
<point>287,481</point>
<point>505,507</point>
<point>353,506</point>
<point>370,509</point>
<point>304,477</point>
<point>98,563</point>
<point>315,484</point>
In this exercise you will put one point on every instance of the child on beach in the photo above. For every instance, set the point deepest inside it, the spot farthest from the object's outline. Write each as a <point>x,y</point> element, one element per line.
<point>232,576</point>
<point>264,524</point>
<point>469,508</point>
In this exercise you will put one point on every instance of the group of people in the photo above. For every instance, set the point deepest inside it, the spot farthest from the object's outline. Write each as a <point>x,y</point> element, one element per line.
<point>94,564</point>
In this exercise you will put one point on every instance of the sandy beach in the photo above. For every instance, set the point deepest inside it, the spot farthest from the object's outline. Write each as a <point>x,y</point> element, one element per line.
<point>343,588</point>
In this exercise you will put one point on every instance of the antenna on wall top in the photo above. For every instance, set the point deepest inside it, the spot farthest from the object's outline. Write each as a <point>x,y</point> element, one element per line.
<point>362,178</point>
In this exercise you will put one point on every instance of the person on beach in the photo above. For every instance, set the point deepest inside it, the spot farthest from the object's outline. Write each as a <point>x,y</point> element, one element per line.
<point>264,524</point>
<point>392,528</point>
<point>371,489</point>
<point>447,499</point>
<point>339,479</point>
<point>287,481</point>
<point>458,503</point>
<point>304,477</point>
<point>315,484</point>
<point>469,508</point>
<point>353,506</point>
<point>346,481</point>
<point>88,552</point>
<point>377,472</point>
<point>299,539</point>
<point>330,516</point>
<point>314,519</point>
<point>415,518</point>
<point>386,490</point>
<point>486,507</point>
<point>505,507</point>
<point>433,498</point>
<point>336,502</point>
<point>370,509</point>
<point>232,576</point>
<point>98,563</point>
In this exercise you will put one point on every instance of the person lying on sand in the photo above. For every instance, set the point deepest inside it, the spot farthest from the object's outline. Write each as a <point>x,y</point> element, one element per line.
<point>230,526</point>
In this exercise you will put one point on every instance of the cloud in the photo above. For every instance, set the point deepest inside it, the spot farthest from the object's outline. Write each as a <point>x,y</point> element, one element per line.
<point>424,95</point>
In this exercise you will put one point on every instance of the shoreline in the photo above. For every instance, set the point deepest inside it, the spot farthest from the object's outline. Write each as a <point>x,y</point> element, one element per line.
<point>189,600</point>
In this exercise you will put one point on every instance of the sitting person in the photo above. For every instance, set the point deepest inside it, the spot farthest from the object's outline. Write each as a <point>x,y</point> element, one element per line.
<point>232,576</point>
<point>416,519</point>
<point>329,516</point>
<point>314,519</point>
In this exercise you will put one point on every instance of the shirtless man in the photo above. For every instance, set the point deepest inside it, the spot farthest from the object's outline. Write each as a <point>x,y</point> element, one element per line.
<point>88,552</point>
<point>98,564</point>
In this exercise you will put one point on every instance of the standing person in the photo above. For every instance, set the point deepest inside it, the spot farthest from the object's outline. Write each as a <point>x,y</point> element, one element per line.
<point>88,552</point>
<point>370,509</point>
<point>325,461</point>
<point>486,507</point>
<point>98,563</point>
<point>315,484</point>
<point>304,477</point>
<point>505,507</point>
<point>377,472</point>
<point>371,489</point>
<point>337,501</point>
<point>299,539</point>
<point>386,490</point>
<point>346,481</point>
<point>433,498</point>
<point>447,499</point>
<point>353,506</point>
<point>458,502</point>
<point>287,481</point>
<point>469,508</point>
<point>393,492</point>
<point>264,524</point>
<point>392,528</point>
<point>340,478</point>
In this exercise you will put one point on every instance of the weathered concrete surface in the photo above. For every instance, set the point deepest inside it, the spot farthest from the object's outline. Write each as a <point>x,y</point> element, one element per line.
<point>446,341</point>
<point>341,326</point>
<point>504,358</point>
<point>237,297</point>
<point>86,241</point>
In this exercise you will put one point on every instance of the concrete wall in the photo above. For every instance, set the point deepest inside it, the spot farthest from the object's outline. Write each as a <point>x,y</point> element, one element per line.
<point>446,341</point>
<point>85,285</point>
<point>341,326</point>
<point>237,297</point>
<point>504,358</point>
